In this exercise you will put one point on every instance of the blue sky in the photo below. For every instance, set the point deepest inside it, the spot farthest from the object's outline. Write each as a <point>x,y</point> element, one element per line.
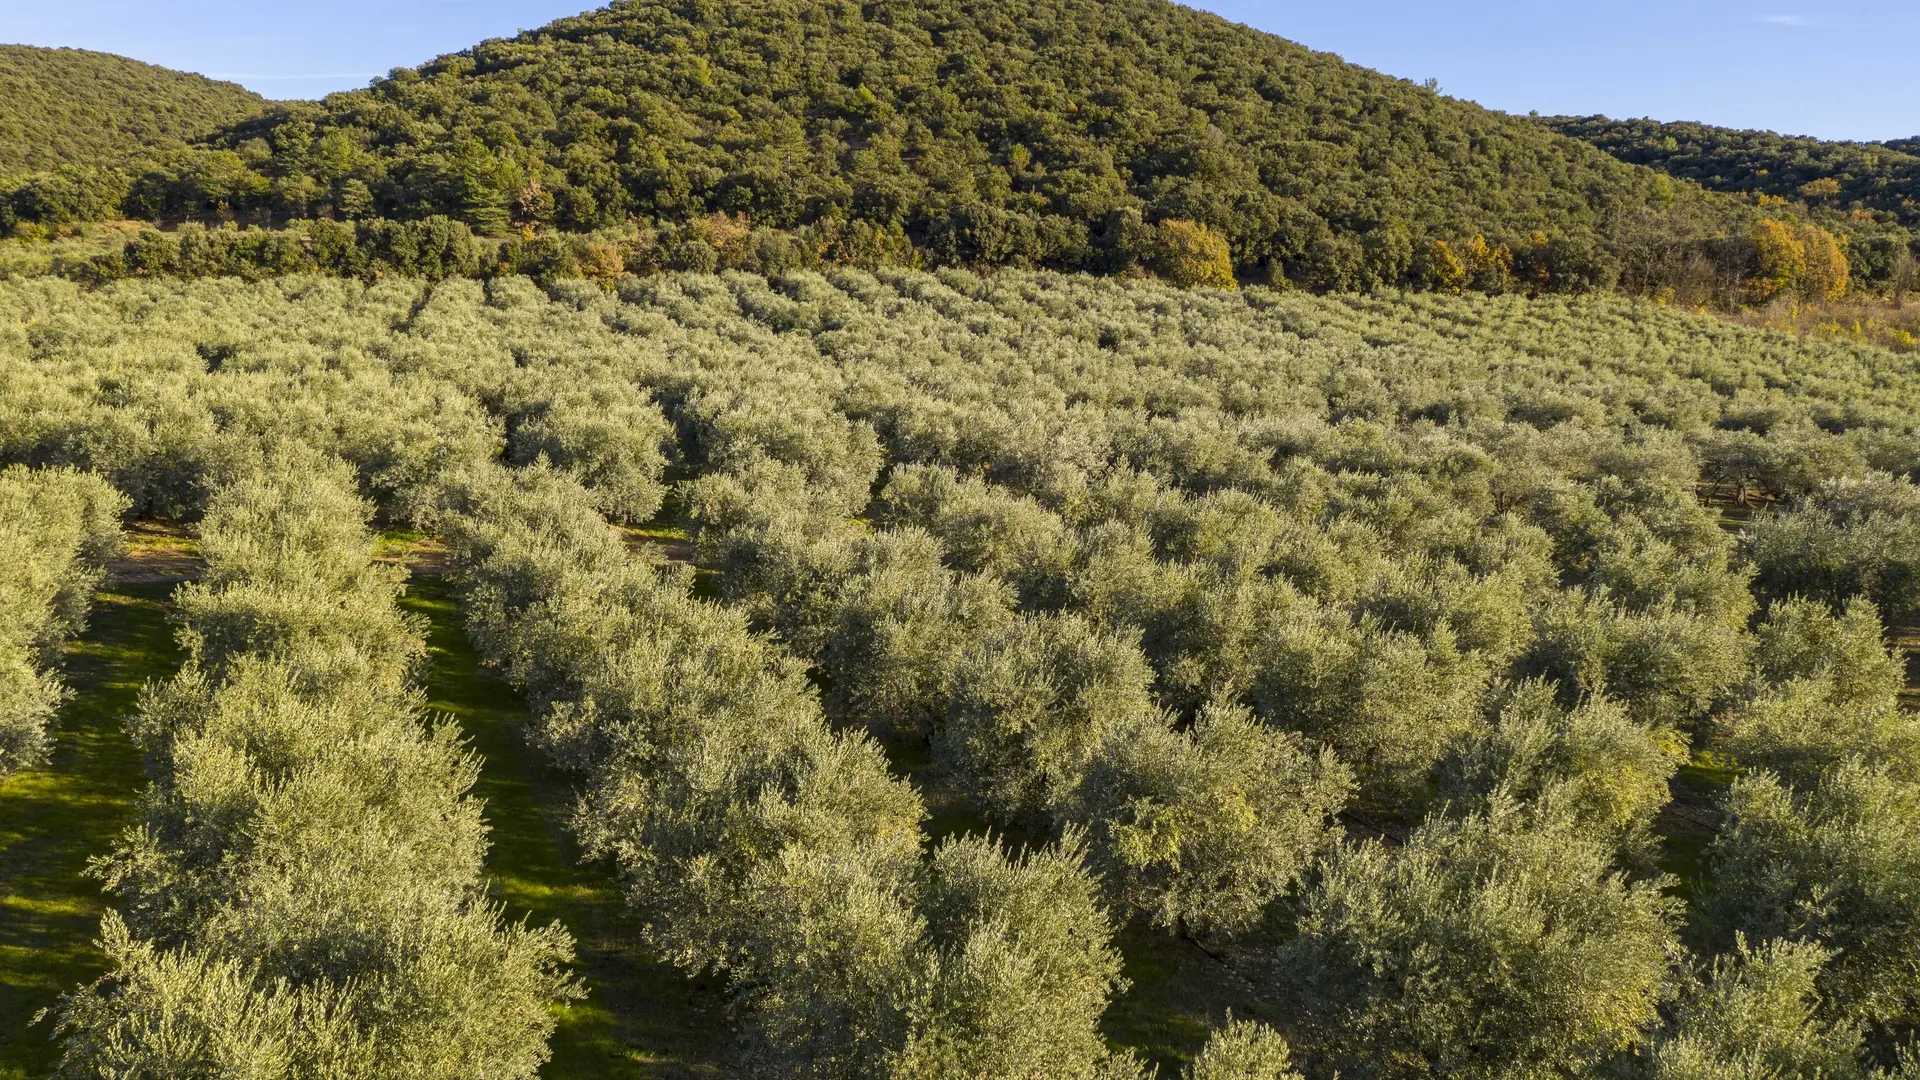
<point>1838,69</point>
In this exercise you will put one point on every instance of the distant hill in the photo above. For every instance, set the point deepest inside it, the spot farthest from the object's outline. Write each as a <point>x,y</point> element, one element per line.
<point>1015,132</point>
<point>1878,177</point>
<point>73,107</point>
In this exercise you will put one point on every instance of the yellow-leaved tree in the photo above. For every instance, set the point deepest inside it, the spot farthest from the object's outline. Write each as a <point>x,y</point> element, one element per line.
<point>1444,268</point>
<point>1826,273</point>
<point>1192,256</point>
<point>1780,259</point>
<point>1802,260</point>
<point>1489,267</point>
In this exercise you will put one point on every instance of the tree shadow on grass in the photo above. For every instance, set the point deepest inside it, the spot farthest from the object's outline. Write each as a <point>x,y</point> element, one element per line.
<point>642,1018</point>
<point>52,820</point>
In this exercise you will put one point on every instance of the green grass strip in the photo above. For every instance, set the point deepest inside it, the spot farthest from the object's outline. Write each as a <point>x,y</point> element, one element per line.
<point>53,820</point>
<point>641,1019</point>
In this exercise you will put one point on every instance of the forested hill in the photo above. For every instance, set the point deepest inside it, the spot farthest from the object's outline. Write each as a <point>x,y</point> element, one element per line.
<point>1879,178</point>
<point>74,107</point>
<point>1015,132</point>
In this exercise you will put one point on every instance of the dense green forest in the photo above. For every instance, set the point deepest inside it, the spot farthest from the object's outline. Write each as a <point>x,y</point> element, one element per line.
<point>1059,135</point>
<point>1469,686</point>
<point>1011,134</point>
<point>78,108</point>
<point>1882,179</point>
<point>1114,137</point>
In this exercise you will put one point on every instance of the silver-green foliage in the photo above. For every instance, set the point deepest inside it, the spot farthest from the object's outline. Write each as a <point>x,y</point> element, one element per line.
<point>302,894</point>
<point>1756,1016</point>
<point>1243,1050</point>
<point>601,430</point>
<point>1502,944</point>
<point>1831,861</point>
<point>1354,516</point>
<point>1203,829</point>
<point>1032,705</point>
<point>1853,536</point>
<point>1826,692</point>
<point>1592,760</point>
<point>58,528</point>
<point>758,841</point>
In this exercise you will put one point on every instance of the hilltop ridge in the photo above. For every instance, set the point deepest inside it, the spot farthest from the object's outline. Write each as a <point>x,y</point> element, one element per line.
<point>1025,133</point>
<point>1108,136</point>
<point>1877,177</point>
<point>77,107</point>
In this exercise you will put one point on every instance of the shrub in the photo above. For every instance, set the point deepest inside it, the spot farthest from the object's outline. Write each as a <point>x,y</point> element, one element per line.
<point>1592,761</point>
<point>1849,538</point>
<point>1829,863</point>
<point>1203,830</point>
<point>1756,1015</point>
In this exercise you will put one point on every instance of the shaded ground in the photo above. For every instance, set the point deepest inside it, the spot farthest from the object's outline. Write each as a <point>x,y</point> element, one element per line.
<point>1907,640</point>
<point>641,1019</point>
<point>1179,995</point>
<point>157,552</point>
<point>53,820</point>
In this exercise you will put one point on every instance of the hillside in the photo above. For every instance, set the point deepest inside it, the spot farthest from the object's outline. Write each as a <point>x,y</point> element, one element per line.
<point>74,107</point>
<point>1016,133</point>
<point>1882,178</point>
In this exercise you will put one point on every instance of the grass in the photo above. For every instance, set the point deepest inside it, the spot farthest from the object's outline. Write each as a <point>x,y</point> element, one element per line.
<point>53,820</point>
<point>642,1019</point>
<point>1177,996</point>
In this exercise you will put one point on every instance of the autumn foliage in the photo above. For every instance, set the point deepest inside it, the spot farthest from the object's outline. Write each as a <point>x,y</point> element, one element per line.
<point>1191,255</point>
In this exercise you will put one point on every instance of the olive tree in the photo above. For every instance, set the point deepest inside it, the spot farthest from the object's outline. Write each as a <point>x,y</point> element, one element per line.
<point>1204,829</point>
<point>58,527</point>
<point>1831,862</point>
<point>1756,1014</point>
<point>1501,944</point>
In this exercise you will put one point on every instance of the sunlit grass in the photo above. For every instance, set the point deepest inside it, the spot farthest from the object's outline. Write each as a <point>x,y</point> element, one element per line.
<point>641,1018</point>
<point>53,820</point>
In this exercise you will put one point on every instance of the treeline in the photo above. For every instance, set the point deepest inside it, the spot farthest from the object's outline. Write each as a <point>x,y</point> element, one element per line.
<point>439,247</point>
<point>301,893</point>
<point>58,528</point>
<point>1773,259</point>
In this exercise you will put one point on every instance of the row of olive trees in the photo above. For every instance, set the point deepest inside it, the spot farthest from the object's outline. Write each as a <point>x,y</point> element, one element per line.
<point>1821,844</point>
<point>757,842</point>
<point>1155,569</point>
<point>1501,940</point>
<point>57,530</point>
<point>1504,938</point>
<point>301,893</point>
<point>1045,719</point>
<point>1822,840</point>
